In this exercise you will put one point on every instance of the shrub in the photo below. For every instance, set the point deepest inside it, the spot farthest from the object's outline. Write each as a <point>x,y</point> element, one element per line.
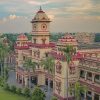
<point>6,86</point>
<point>38,94</point>
<point>54,98</point>
<point>26,92</point>
<point>13,89</point>
<point>19,91</point>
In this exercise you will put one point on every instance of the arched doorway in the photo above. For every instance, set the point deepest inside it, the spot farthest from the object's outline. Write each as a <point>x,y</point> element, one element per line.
<point>34,80</point>
<point>51,83</point>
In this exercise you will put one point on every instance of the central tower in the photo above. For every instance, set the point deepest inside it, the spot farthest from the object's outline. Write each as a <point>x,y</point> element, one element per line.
<point>40,42</point>
<point>40,28</point>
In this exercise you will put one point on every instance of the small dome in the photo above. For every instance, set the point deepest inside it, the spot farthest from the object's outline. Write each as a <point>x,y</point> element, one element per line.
<point>40,16</point>
<point>67,39</point>
<point>22,37</point>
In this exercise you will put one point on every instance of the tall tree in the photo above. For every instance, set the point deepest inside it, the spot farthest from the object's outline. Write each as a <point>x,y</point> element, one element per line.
<point>4,51</point>
<point>28,64</point>
<point>77,89</point>
<point>48,64</point>
<point>69,51</point>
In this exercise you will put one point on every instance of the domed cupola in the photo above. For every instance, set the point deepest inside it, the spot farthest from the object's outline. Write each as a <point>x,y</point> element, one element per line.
<point>22,42</point>
<point>40,17</point>
<point>22,37</point>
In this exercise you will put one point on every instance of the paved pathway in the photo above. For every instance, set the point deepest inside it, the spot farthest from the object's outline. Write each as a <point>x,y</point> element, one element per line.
<point>12,81</point>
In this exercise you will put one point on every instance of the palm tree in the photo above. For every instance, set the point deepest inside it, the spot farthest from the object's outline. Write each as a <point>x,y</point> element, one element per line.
<point>4,51</point>
<point>48,64</point>
<point>77,90</point>
<point>28,64</point>
<point>68,51</point>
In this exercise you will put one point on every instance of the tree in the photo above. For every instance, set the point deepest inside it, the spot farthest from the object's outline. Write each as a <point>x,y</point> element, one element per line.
<point>38,94</point>
<point>28,64</point>
<point>4,51</point>
<point>26,92</point>
<point>78,90</point>
<point>48,64</point>
<point>69,51</point>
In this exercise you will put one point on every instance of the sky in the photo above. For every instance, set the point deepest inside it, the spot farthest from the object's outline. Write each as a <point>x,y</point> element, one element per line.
<point>66,15</point>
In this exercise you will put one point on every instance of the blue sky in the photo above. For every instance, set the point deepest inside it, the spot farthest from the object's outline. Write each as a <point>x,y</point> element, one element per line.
<point>66,15</point>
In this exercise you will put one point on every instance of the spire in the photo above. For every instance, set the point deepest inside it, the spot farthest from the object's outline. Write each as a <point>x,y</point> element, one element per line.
<point>40,8</point>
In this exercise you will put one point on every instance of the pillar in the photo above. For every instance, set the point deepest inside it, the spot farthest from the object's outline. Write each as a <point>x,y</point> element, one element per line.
<point>41,79</point>
<point>86,75</point>
<point>99,97</point>
<point>93,76</point>
<point>85,96</point>
<point>22,80</point>
<point>92,95</point>
<point>26,81</point>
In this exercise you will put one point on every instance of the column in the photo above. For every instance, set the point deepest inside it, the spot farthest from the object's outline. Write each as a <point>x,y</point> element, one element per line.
<point>85,95</point>
<point>93,76</point>
<point>85,75</point>
<point>26,81</point>
<point>41,79</point>
<point>22,79</point>
<point>92,95</point>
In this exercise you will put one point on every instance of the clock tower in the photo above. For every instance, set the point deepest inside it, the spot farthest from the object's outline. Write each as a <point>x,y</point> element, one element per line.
<point>40,28</point>
<point>40,42</point>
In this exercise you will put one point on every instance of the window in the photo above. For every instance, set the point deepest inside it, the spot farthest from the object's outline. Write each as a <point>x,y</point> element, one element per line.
<point>34,41</point>
<point>43,41</point>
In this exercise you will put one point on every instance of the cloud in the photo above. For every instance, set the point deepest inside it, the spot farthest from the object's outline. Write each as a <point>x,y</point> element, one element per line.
<point>11,17</point>
<point>39,2</point>
<point>51,17</point>
<point>33,2</point>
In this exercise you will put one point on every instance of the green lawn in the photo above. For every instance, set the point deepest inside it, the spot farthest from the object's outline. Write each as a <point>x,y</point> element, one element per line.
<point>5,95</point>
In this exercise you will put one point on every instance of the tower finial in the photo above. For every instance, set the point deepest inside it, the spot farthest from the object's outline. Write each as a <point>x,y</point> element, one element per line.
<point>40,8</point>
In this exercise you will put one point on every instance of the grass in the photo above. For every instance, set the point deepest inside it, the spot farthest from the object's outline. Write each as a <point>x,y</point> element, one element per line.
<point>6,95</point>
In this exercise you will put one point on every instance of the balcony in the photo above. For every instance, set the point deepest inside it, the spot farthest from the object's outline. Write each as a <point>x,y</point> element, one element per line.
<point>82,76</point>
<point>90,85</point>
<point>97,81</point>
<point>89,78</point>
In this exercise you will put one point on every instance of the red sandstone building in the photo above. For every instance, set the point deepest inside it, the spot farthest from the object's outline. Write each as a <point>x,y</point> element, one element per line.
<point>82,68</point>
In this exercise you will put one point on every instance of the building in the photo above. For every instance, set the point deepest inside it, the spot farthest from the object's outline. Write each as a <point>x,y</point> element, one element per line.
<point>65,74</point>
<point>89,67</point>
<point>85,38</point>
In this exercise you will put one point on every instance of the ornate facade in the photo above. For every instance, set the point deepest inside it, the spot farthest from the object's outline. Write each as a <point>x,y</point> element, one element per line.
<point>65,74</point>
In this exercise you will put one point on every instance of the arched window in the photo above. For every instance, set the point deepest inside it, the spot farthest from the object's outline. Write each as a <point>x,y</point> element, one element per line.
<point>43,41</point>
<point>34,41</point>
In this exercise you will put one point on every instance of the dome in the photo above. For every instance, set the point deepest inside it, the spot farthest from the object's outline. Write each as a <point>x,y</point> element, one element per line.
<point>68,39</point>
<point>40,16</point>
<point>22,37</point>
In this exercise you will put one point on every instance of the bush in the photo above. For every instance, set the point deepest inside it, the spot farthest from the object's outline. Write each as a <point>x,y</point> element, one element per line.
<point>38,94</point>
<point>54,98</point>
<point>19,91</point>
<point>26,92</point>
<point>6,87</point>
<point>13,89</point>
<point>2,81</point>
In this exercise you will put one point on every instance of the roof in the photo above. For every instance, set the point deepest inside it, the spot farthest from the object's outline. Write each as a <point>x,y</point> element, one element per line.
<point>40,16</point>
<point>22,37</point>
<point>67,39</point>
